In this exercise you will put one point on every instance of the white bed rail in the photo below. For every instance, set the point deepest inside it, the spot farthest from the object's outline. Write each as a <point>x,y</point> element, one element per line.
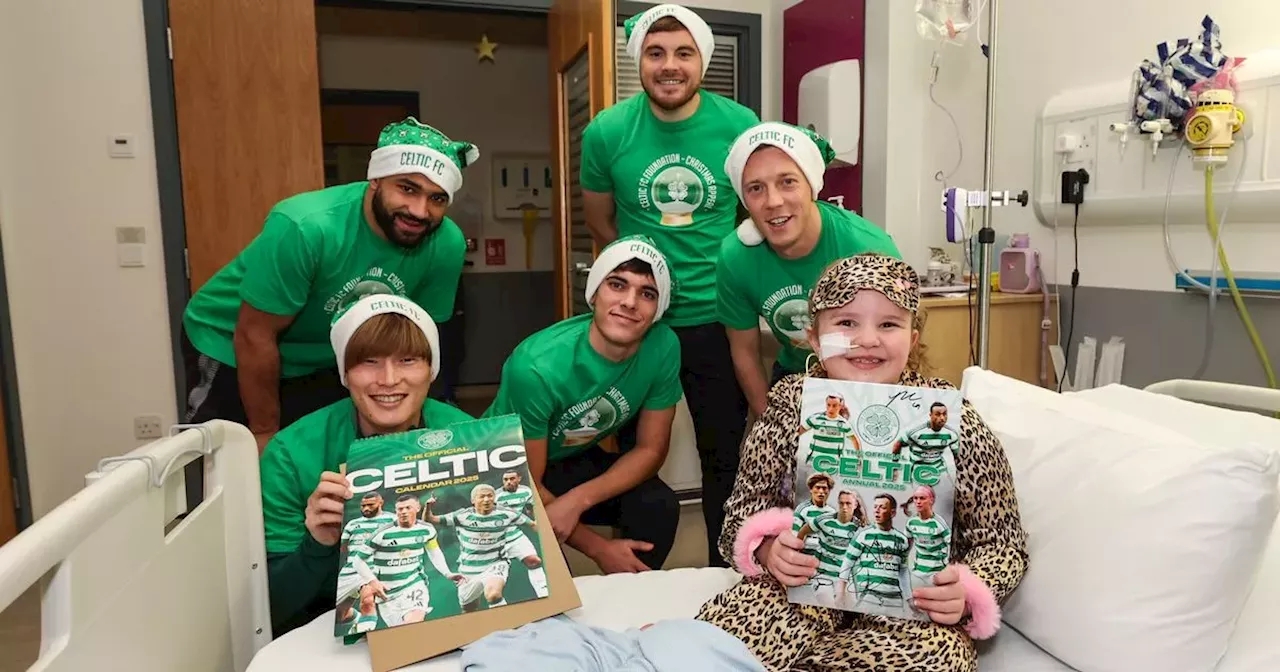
<point>1220,394</point>
<point>126,594</point>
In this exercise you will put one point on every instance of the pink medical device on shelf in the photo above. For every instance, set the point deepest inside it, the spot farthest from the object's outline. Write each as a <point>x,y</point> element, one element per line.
<point>1019,266</point>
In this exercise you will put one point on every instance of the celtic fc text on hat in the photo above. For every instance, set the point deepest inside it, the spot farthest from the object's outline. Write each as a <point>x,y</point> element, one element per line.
<point>411,146</point>
<point>810,151</point>
<point>623,250</point>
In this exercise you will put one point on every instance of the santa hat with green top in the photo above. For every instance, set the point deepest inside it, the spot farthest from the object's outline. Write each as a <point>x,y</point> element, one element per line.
<point>349,319</point>
<point>623,250</point>
<point>809,150</point>
<point>411,146</point>
<point>638,26</point>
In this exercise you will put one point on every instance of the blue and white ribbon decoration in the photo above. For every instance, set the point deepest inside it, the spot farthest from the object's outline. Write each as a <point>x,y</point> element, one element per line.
<point>1163,88</point>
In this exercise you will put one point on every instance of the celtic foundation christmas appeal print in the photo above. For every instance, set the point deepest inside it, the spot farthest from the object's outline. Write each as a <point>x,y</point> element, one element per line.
<point>583,422</point>
<point>677,185</point>
<point>874,493</point>
<point>787,311</point>
<point>376,280</point>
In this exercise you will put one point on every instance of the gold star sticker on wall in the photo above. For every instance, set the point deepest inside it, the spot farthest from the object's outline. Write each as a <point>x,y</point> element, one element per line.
<point>485,48</point>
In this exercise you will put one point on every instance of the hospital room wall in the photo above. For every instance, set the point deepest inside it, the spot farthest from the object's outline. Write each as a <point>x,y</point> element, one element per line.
<point>770,12</point>
<point>1044,48</point>
<point>91,339</point>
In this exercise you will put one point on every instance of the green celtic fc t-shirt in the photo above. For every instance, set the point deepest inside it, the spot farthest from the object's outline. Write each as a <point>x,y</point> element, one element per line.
<point>754,282</point>
<point>668,183</point>
<point>292,462</point>
<point>570,395</point>
<point>315,255</point>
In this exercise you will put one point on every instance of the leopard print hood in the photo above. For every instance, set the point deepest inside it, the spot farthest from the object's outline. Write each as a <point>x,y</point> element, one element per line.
<point>841,281</point>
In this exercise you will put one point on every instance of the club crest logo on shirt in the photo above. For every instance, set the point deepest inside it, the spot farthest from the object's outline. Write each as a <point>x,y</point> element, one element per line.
<point>787,312</point>
<point>583,422</point>
<point>373,281</point>
<point>677,185</point>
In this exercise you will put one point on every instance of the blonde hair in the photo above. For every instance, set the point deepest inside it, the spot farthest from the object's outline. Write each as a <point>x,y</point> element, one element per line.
<point>917,359</point>
<point>386,335</point>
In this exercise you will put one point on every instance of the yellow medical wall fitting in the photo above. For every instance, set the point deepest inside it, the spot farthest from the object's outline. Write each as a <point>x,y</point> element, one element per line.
<point>1211,128</point>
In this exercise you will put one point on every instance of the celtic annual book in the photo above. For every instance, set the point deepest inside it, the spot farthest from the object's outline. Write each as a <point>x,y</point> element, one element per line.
<point>874,492</point>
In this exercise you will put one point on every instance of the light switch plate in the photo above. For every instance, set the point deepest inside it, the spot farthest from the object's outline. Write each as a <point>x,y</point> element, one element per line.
<point>120,146</point>
<point>129,255</point>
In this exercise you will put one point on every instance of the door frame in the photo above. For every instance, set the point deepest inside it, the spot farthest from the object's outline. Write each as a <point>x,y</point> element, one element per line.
<point>503,6</point>
<point>164,123</point>
<point>173,225</point>
<point>12,409</point>
<point>155,14</point>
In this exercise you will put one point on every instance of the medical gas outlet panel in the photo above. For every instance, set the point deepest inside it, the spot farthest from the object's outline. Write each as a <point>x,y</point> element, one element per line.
<point>1130,168</point>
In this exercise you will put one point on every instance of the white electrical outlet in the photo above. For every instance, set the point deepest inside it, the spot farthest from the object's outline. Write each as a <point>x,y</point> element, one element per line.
<point>147,427</point>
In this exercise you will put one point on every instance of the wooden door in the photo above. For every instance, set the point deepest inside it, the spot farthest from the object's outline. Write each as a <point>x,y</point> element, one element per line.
<point>8,498</point>
<point>350,122</point>
<point>247,92</point>
<point>580,49</point>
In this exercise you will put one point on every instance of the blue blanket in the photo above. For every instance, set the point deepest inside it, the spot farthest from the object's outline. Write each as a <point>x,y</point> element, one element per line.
<point>560,644</point>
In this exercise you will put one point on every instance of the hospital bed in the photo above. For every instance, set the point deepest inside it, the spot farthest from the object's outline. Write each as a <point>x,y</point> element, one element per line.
<point>129,581</point>
<point>129,592</point>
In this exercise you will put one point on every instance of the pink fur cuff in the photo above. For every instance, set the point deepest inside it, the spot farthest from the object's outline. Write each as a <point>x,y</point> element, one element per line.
<point>757,528</point>
<point>984,611</point>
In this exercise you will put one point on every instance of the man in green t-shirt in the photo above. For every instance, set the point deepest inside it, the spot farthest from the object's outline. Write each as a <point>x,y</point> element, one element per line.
<point>768,267</point>
<point>577,382</point>
<point>653,165</point>
<point>388,352</point>
<point>257,333</point>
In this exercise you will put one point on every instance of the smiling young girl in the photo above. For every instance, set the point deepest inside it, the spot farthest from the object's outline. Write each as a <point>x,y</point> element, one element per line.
<point>872,301</point>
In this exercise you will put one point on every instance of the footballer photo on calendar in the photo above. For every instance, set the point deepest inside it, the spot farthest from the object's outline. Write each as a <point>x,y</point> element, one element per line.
<point>875,493</point>
<point>441,523</point>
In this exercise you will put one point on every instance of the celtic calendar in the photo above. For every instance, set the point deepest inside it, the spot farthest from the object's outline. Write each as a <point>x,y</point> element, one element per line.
<point>874,493</point>
<point>441,523</point>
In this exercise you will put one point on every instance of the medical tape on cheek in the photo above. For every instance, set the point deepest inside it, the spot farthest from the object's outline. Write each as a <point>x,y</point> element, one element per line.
<point>836,344</point>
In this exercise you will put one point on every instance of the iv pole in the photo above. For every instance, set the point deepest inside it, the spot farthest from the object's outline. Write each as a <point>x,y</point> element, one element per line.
<point>987,235</point>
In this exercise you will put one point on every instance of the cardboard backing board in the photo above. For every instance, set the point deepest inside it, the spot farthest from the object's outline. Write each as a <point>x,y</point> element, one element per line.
<point>394,648</point>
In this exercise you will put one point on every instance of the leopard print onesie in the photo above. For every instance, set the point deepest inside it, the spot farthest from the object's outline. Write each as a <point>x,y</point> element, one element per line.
<point>785,636</point>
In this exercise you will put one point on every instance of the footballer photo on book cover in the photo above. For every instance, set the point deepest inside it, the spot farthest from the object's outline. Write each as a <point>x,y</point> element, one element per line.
<point>441,523</point>
<point>875,492</point>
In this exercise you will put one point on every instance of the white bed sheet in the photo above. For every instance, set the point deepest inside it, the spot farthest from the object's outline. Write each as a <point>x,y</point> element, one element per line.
<point>617,602</point>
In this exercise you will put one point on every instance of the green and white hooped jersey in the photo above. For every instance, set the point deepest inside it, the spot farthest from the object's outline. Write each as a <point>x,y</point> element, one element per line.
<point>482,536</point>
<point>833,540</point>
<point>933,543</point>
<point>396,555</point>
<point>809,513</point>
<point>357,531</point>
<point>516,501</point>
<point>927,444</point>
<point>875,558</point>
<point>829,435</point>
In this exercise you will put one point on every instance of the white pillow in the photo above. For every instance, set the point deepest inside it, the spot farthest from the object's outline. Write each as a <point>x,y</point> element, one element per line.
<point>1143,542</point>
<point>1253,643</point>
<point>1200,422</point>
